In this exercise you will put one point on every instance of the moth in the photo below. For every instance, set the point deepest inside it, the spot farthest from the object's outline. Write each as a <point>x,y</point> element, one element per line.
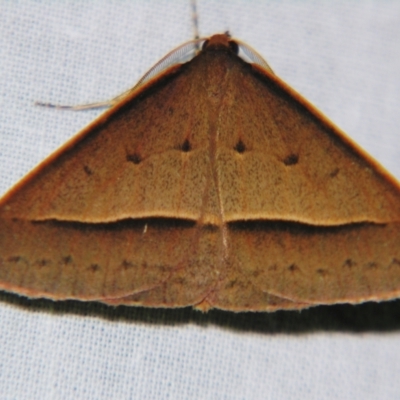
<point>211,184</point>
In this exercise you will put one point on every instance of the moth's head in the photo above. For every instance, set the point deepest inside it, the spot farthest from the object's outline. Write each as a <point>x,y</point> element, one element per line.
<point>220,41</point>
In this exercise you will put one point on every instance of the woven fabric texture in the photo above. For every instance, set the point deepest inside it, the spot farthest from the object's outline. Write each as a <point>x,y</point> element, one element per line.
<point>343,56</point>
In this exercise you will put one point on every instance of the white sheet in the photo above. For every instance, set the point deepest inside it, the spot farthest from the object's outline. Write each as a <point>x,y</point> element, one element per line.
<point>343,56</point>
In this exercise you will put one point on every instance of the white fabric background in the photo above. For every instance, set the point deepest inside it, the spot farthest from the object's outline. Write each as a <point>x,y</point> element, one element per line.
<point>343,56</point>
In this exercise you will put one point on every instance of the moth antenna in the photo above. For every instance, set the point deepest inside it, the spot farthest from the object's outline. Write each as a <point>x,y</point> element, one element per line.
<point>195,43</point>
<point>78,107</point>
<point>195,22</point>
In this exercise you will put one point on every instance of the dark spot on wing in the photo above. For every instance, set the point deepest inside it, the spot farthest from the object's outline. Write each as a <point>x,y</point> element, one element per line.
<point>231,284</point>
<point>349,263</point>
<point>291,159</point>
<point>66,260</point>
<point>87,170</point>
<point>186,146</point>
<point>134,158</point>
<point>126,265</point>
<point>42,263</point>
<point>395,263</point>
<point>94,267</point>
<point>372,265</point>
<point>240,147</point>
<point>293,268</point>
<point>334,172</point>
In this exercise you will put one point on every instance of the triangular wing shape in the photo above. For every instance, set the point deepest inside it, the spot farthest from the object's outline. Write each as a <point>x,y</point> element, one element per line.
<point>214,184</point>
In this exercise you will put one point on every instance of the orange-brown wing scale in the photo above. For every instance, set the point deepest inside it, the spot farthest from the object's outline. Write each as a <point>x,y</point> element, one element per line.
<point>214,185</point>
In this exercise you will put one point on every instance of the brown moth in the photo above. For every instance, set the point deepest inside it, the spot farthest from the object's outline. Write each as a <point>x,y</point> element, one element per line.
<point>212,184</point>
